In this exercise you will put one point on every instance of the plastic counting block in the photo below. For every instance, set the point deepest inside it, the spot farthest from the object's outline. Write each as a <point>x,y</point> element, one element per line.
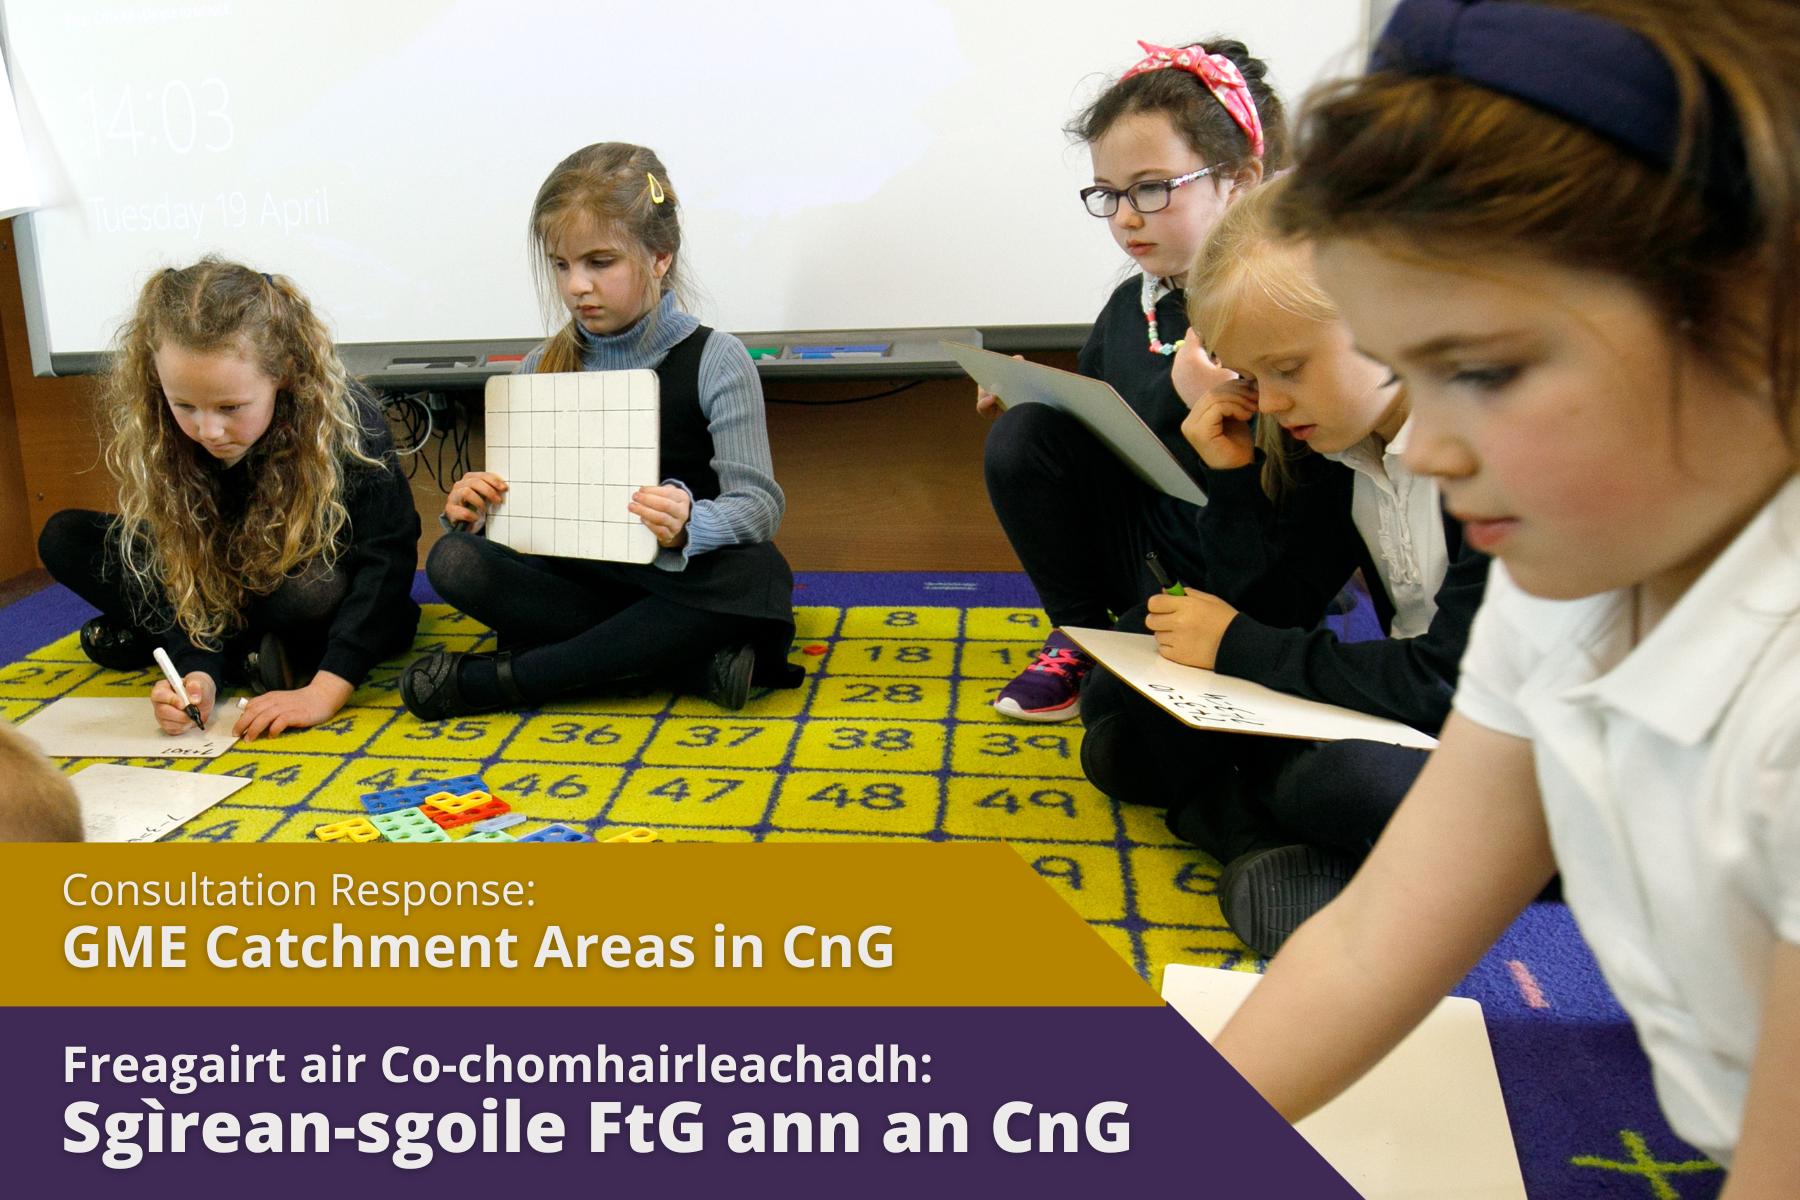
<point>468,816</point>
<point>635,836</point>
<point>355,829</point>
<point>394,799</point>
<point>408,825</point>
<point>444,802</point>
<point>557,833</point>
<point>489,835</point>
<point>503,821</point>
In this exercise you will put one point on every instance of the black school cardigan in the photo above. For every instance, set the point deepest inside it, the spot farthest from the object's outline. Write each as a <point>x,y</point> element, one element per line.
<point>1289,563</point>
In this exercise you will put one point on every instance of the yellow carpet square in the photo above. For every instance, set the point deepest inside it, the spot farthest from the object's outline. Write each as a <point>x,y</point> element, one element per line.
<point>1027,810</point>
<point>747,743</point>
<point>712,796</point>
<point>1017,749</point>
<point>580,739</point>
<point>1175,885</point>
<point>43,680</point>
<point>862,695</point>
<point>875,656</point>
<point>461,737</point>
<point>997,660</point>
<point>553,791</point>
<point>869,803</point>
<point>1006,624</point>
<point>885,622</point>
<point>1088,877</point>
<point>852,745</point>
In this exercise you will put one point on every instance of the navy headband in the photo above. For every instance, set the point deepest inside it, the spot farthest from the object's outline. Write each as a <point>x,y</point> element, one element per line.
<point>1577,66</point>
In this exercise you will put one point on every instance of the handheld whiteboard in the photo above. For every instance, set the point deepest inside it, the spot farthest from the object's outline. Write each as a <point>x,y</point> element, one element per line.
<point>572,448</point>
<point>1094,403</point>
<point>1427,1120</point>
<point>1209,700</point>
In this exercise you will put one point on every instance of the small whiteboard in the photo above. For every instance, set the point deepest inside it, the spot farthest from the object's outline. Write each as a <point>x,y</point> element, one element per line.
<point>1209,700</point>
<point>1094,403</point>
<point>142,804</point>
<point>122,727</point>
<point>572,448</point>
<point>1427,1121</point>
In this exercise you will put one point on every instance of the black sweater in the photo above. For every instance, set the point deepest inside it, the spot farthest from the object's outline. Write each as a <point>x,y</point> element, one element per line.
<point>1117,351</point>
<point>379,557</point>
<point>1290,563</point>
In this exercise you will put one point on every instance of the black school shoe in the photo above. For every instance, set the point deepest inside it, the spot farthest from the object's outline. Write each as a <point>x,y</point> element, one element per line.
<point>266,668</point>
<point>431,690</point>
<point>1267,894</point>
<point>115,645</point>
<point>727,678</point>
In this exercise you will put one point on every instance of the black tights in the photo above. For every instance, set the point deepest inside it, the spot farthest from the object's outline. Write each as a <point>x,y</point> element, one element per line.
<point>80,551</point>
<point>1079,521</point>
<point>573,624</point>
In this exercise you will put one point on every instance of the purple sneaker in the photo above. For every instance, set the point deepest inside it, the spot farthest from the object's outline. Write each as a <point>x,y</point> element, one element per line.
<point>1050,688</point>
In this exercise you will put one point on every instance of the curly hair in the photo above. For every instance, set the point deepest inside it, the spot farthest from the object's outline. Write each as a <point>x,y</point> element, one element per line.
<point>173,539</point>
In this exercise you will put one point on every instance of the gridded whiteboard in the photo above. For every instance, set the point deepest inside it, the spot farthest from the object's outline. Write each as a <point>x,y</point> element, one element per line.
<point>572,449</point>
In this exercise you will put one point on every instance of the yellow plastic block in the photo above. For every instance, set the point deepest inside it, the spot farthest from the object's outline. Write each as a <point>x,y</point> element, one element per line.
<point>444,802</point>
<point>637,836</point>
<point>356,829</point>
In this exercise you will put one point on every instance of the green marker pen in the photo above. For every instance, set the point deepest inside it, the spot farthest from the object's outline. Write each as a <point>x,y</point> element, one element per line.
<point>1169,586</point>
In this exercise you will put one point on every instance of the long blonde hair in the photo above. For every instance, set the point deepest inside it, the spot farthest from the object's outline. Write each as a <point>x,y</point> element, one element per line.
<point>172,536</point>
<point>1246,255</point>
<point>621,187</point>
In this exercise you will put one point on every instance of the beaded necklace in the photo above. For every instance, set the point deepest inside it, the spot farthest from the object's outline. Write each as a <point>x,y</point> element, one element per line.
<point>1148,298</point>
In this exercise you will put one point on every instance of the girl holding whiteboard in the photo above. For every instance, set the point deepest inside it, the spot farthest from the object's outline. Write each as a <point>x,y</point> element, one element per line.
<point>714,610</point>
<point>1174,141</point>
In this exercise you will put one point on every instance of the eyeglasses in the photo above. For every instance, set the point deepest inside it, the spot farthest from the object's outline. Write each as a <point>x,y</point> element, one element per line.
<point>1146,196</point>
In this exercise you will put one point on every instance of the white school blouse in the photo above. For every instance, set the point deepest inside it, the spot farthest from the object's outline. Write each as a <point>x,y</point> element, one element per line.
<point>1401,520</point>
<point>1670,776</point>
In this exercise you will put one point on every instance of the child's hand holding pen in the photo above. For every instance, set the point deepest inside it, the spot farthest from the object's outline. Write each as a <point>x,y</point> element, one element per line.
<point>198,690</point>
<point>470,497</point>
<point>1188,625</point>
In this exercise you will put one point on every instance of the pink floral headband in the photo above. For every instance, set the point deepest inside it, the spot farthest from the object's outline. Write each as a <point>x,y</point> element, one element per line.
<point>1221,77</point>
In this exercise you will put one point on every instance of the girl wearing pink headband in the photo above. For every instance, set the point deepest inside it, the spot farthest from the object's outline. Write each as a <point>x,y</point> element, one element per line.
<point>1174,140</point>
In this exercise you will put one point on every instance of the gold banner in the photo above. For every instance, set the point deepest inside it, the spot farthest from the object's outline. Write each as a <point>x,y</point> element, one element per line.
<point>579,924</point>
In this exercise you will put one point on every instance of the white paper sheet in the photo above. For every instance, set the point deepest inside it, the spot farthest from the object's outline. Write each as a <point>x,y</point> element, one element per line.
<point>78,727</point>
<point>1427,1123</point>
<point>1090,401</point>
<point>142,804</point>
<point>1209,700</point>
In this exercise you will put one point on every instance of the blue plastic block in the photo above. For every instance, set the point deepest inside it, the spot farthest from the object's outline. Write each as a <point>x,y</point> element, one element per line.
<point>557,833</point>
<point>395,799</point>
<point>503,821</point>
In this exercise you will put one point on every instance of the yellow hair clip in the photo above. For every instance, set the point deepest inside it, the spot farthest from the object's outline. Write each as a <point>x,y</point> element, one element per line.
<point>656,192</point>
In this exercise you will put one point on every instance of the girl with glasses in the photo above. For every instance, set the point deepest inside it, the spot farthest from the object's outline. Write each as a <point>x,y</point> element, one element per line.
<point>1173,141</point>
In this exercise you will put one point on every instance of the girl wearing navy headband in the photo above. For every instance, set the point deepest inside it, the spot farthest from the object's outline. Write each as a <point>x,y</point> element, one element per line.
<point>1173,140</point>
<point>1572,229</point>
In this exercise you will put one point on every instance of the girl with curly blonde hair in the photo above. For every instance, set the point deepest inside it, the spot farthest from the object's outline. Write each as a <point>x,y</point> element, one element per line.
<point>264,531</point>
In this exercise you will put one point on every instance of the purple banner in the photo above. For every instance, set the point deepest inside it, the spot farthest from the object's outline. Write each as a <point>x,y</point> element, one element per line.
<point>670,1102</point>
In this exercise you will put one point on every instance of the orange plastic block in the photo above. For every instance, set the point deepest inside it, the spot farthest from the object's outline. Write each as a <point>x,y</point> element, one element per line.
<point>466,816</point>
<point>634,836</point>
<point>356,829</point>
